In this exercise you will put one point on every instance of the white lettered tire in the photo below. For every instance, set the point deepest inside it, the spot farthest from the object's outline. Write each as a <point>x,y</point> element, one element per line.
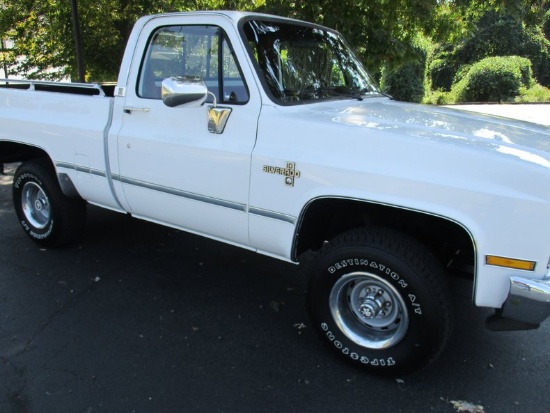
<point>47,216</point>
<point>380,299</point>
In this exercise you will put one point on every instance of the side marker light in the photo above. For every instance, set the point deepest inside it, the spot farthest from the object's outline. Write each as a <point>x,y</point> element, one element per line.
<point>510,263</point>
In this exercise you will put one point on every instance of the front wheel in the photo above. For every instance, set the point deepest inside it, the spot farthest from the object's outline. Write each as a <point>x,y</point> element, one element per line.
<point>380,299</point>
<point>47,216</point>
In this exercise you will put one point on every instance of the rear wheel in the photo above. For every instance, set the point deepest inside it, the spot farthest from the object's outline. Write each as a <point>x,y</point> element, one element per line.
<point>45,213</point>
<point>380,299</point>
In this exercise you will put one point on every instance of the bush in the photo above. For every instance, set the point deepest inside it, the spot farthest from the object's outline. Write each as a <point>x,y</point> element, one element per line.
<point>406,83</point>
<point>494,79</point>
<point>441,74</point>
<point>461,73</point>
<point>535,94</point>
<point>438,97</point>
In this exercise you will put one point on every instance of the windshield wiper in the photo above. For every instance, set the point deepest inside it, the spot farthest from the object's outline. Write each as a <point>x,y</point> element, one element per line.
<point>329,92</point>
<point>316,93</point>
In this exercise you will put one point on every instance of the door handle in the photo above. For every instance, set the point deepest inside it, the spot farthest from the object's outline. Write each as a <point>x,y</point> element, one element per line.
<point>130,109</point>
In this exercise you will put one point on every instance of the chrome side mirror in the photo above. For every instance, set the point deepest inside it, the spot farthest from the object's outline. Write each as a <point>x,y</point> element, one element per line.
<point>190,91</point>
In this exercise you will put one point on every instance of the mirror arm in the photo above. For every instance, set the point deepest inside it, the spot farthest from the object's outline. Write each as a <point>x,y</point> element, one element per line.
<point>214,99</point>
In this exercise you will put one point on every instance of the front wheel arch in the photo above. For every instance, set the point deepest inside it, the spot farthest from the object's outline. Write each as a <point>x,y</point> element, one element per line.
<point>325,218</point>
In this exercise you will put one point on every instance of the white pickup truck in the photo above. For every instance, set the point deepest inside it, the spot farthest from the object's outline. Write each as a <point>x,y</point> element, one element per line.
<point>268,134</point>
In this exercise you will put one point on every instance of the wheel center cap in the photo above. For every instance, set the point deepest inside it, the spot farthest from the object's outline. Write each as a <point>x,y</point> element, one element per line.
<point>374,304</point>
<point>369,308</point>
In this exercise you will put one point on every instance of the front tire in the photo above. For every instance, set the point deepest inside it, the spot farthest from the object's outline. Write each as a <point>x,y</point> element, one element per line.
<point>47,216</point>
<point>380,299</point>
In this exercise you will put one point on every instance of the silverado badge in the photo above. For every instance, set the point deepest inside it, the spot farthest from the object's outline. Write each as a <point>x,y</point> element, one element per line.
<point>290,172</point>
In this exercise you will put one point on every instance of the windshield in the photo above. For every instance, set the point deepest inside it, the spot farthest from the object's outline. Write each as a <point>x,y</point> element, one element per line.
<point>300,63</point>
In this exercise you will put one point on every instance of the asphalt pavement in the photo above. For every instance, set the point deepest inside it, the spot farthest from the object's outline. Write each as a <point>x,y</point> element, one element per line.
<point>136,317</point>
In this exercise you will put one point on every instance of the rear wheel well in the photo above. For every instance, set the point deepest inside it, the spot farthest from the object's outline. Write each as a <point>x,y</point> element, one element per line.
<point>13,152</point>
<point>324,219</point>
<point>16,152</point>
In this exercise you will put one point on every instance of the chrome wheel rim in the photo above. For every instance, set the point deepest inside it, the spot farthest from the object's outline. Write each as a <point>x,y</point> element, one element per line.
<point>35,205</point>
<point>369,310</point>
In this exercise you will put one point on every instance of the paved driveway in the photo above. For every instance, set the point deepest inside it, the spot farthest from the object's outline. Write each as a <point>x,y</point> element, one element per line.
<point>537,113</point>
<point>140,318</point>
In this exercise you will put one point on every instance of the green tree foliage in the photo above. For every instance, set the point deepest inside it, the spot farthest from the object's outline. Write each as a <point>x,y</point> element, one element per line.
<point>380,31</point>
<point>489,29</point>
<point>383,33</point>
<point>458,19</point>
<point>42,32</point>
<point>504,36</point>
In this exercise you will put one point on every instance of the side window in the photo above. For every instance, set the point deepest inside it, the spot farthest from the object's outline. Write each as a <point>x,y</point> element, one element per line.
<point>192,51</point>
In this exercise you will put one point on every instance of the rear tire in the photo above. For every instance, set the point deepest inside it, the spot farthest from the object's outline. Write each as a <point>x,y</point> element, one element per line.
<point>380,299</point>
<point>47,216</point>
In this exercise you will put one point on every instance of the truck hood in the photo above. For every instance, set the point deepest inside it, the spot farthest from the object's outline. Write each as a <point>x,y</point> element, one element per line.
<point>528,141</point>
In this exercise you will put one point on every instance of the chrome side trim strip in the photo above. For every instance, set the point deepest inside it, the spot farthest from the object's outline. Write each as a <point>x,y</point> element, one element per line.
<point>264,213</point>
<point>183,194</point>
<point>82,169</point>
<point>272,214</point>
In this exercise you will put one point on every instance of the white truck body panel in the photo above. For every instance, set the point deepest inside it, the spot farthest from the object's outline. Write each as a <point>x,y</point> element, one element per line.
<point>417,158</point>
<point>71,128</point>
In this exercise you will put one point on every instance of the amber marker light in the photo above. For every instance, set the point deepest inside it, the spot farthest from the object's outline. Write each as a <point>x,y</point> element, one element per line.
<point>510,263</point>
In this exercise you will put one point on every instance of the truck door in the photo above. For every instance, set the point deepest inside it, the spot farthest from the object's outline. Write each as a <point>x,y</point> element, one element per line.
<point>173,170</point>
